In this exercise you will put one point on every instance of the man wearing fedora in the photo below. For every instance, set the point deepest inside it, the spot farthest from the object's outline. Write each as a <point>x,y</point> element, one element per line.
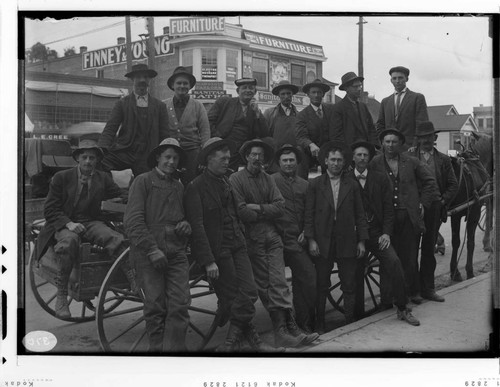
<point>335,228</point>
<point>403,109</point>
<point>187,120</point>
<point>218,245</point>
<point>313,122</point>
<point>73,213</point>
<point>260,204</point>
<point>291,228</point>
<point>155,224</point>
<point>351,119</point>
<point>238,119</point>
<point>413,189</point>
<point>377,203</point>
<point>138,122</point>
<point>440,166</point>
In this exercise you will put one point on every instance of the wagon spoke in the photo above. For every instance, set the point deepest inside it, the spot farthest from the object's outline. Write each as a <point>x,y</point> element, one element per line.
<point>127,329</point>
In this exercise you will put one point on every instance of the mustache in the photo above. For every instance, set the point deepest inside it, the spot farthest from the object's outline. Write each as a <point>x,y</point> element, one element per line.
<point>142,84</point>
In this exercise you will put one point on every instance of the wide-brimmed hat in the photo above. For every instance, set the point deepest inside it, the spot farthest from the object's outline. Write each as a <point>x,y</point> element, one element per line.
<point>364,144</point>
<point>395,131</point>
<point>349,78</point>
<point>284,84</point>
<point>245,81</point>
<point>400,69</point>
<point>85,144</point>
<point>316,83</point>
<point>327,147</point>
<point>425,128</point>
<point>180,70</point>
<point>268,149</point>
<point>291,148</point>
<point>166,143</point>
<point>140,69</point>
<point>212,145</point>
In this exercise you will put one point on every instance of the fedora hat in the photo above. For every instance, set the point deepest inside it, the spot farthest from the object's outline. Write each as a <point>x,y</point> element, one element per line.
<point>400,69</point>
<point>86,144</point>
<point>316,83</point>
<point>364,144</point>
<point>425,128</point>
<point>213,144</point>
<point>348,78</point>
<point>141,68</point>
<point>327,147</point>
<point>268,149</point>
<point>291,148</point>
<point>180,70</point>
<point>395,131</point>
<point>284,84</point>
<point>166,143</point>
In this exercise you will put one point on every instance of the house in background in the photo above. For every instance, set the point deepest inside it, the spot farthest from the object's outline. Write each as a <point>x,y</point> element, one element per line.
<point>452,127</point>
<point>483,116</point>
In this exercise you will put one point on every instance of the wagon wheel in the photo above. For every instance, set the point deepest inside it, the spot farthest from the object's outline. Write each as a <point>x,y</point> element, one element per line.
<point>124,329</point>
<point>482,219</point>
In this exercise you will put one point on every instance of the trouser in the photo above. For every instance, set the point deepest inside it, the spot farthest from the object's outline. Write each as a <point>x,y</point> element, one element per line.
<point>190,166</point>
<point>119,160</point>
<point>432,221</point>
<point>166,302</point>
<point>303,286</point>
<point>235,288</point>
<point>266,257</point>
<point>308,161</point>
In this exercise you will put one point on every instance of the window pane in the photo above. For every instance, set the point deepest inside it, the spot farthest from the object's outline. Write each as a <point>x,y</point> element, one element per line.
<point>209,64</point>
<point>480,122</point>
<point>489,122</point>
<point>298,74</point>
<point>260,70</point>
<point>231,65</point>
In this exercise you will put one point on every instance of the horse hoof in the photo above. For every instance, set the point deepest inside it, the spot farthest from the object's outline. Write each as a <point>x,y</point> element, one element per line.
<point>457,277</point>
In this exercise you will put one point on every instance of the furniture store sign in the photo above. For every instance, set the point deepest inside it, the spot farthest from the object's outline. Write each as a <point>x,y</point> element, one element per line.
<point>196,25</point>
<point>284,44</point>
<point>118,54</point>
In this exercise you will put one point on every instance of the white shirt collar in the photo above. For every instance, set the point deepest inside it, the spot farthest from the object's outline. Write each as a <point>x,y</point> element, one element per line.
<point>316,107</point>
<point>357,173</point>
<point>402,91</point>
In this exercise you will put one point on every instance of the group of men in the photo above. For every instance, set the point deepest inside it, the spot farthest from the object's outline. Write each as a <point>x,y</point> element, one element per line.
<point>252,210</point>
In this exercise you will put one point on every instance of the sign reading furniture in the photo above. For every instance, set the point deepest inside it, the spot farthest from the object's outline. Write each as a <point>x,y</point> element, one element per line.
<point>284,44</point>
<point>196,25</point>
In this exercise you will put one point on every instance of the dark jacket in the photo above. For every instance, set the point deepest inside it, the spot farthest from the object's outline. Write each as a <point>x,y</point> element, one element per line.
<point>281,126</point>
<point>413,109</point>
<point>124,119</point>
<point>312,129</point>
<point>349,126</point>
<point>350,226</point>
<point>60,202</point>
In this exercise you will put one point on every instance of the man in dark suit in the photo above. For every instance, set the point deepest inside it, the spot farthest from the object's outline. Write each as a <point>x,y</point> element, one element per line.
<point>335,228</point>
<point>377,203</point>
<point>72,211</point>
<point>413,189</point>
<point>312,125</point>
<point>352,120</point>
<point>138,123</point>
<point>238,119</point>
<point>403,109</point>
<point>440,166</point>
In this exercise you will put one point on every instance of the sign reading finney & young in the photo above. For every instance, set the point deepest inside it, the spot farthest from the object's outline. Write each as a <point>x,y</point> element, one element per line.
<point>196,25</point>
<point>118,54</point>
<point>284,44</point>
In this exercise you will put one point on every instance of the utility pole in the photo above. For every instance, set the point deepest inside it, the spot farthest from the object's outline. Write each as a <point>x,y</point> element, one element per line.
<point>150,26</point>
<point>360,54</point>
<point>128,45</point>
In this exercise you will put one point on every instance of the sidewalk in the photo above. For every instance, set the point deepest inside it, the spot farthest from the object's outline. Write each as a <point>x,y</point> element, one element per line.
<point>460,324</point>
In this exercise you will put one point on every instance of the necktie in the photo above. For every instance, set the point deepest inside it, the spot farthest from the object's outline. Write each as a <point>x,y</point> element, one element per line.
<point>361,177</point>
<point>319,112</point>
<point>398,103</point>
<point>85,191</point>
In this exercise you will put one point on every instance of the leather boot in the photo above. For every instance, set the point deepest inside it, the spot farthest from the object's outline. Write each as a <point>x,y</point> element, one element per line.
<point>256,343</point>
<point>320,314</point>
<point>295,331</point>
<point>349,305</point>
<point>232,342</point>
<point>282,338</point>
<point>62,305</point>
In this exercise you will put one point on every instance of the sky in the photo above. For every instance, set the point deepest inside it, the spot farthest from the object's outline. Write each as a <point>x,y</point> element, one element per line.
<point>449,57</point>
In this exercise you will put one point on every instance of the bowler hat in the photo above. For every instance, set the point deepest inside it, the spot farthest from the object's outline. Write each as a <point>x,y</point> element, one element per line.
<point>290,148</point>
<point>400,69</point>
<point>327,147</point>
<point>86,144</point>
<point>316,83</point>
<point>284,84</point>
<point>268,149</point>
<point>245,81</point>
<point>180,70</point>
<point>349,78</point>
<point>166,143</point>
<point>395,131</point>
<point>141,68</point>
<point>425,128</point>
<point>364,144</point>
<point>213,144</point>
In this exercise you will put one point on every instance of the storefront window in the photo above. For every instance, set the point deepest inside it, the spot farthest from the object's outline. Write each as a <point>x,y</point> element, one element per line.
<point>231,65</point>
<point>260,69</point>
<point>298,75</point>
<point>209,64</point>
<point>187,60</point>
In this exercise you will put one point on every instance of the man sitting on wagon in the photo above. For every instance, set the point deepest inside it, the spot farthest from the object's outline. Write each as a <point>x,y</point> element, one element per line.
<point>72,212</point>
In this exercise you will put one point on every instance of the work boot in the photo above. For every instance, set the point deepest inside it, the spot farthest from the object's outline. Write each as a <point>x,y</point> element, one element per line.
<point>349,305</point>
<point>232,342</point>
<point>319,326</point>
<point>432,295</point>
<point>406,315</point>
<point>295,331</point>
<point>256,343</point>
<point>282,338</point>
<point>62,305</point>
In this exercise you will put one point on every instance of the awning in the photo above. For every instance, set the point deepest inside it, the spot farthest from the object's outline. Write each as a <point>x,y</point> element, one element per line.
<point>76,88</point>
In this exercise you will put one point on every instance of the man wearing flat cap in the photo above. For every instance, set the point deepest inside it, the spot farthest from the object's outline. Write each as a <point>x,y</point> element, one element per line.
<point>73,213</point>
<point>403,109</point>
<point>218,244</point>
<point>351,119</point>
<point>260,204</point>
<point>238,119</point>
<point>187,120</point>
<point>155,224</point>
<point>440,166</point>
<point>137,124</point>
<point>313,122</point>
